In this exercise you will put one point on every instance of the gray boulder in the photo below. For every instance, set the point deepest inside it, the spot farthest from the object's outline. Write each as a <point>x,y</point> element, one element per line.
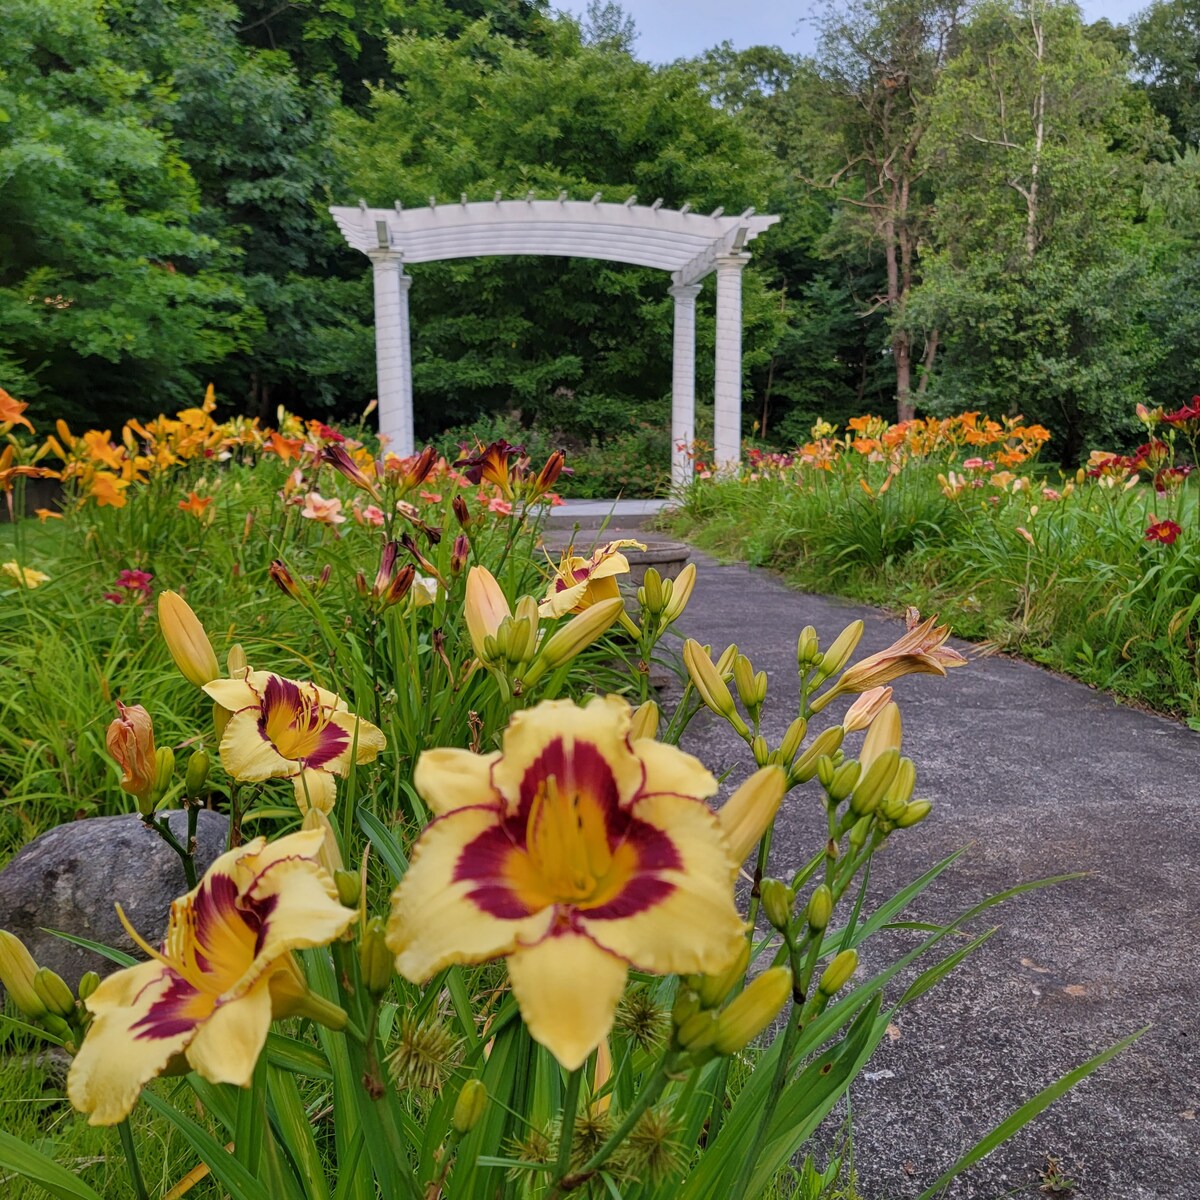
<point>70,878</point>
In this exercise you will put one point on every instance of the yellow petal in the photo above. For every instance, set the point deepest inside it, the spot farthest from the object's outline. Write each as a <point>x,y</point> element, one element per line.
<point>232,694</point>
<point>695,928</point>
<point>249,756</point>
<point>308,913</point>
<point>558,604</point>
<point>315,789</point>
<point>612,564</point>
<point>371,739</point>
<point>114,1063</point>
<point>448,778</point>
<point>433,922</point>
<point>485,606</point>
<point>603,723</point>
<point>226,1047</point>
<point>567,988</point>
<point>669,769</point>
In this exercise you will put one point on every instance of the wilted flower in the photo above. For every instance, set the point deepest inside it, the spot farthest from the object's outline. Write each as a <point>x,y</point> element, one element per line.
<point>575,853</point>
<point>130,740</point>
<point>282,728</point>
<point>224,971</point>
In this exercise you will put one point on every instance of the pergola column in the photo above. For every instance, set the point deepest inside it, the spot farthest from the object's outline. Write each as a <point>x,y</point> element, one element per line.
<point>393,351</point>
<point>727,385</point>
<point>683,382</point>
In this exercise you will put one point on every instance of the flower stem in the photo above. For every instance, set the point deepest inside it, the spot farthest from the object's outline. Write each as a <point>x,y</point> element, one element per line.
<point>570,1105</point>
<point>163,829</point>
<point>131,1160</point>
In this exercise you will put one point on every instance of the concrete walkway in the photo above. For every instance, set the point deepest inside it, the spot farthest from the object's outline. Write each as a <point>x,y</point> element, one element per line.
<point>1039,776</point>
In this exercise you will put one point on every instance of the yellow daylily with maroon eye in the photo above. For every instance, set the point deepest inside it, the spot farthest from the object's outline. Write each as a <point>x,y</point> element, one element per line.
<point>578,583</point>
<point>576,853</point>
<point>281,728</point>
<point>224,971</point>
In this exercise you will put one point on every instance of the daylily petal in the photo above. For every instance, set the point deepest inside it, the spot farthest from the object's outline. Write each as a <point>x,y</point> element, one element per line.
<point>308,913</point>
<point>669,769</point>
<point>246,754</point>
<point>315,789</point>
<point>371,739</point>
<point>115,1062</point>
<point>567,988</point>
<point>559,603</point>
<point>448,778</point>
<point>700,899</point>
<point>226,1047</point>
<point>611,564</point>
<point>232,694</point>
<point>572,743</point>
<point>434,921</point>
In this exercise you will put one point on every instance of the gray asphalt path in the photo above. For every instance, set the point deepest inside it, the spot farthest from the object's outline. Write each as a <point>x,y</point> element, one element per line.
<point>1038,776</point>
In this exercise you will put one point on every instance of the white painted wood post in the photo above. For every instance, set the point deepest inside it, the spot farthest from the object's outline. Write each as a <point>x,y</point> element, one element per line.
<point>727,386</point>
<point>393,351</point>
<point>683,382</point>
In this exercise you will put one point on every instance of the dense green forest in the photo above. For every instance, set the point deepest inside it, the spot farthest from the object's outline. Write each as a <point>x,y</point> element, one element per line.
<point>989,206</point>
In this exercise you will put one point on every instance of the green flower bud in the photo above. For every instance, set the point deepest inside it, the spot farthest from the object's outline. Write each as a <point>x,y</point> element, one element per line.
<point>349,887</point>
<point>859,831</point>
<point>838,973</point>
<point>760,688</point>
<point>687,1004</point>
<point>17,970</point>
<point>824,744</point>
<point>57,1026</point>
<point>164,768</point>
<point>699,1030</point>
<point>875,782</point>
<point>760,750</point>
<point>743,676</point>
<point>651,593</point>
<point>751,1012</point>
<point>844,779</point>
<point>820,907</point>
<point>891,806</point>
<point>197,774</point>
<point>792,739</point>
<point>777,901</point>
<point>839,652</point>
<point>469,1107</point>
<point>53,992</point>
<point>375,960</point>
<point>914,811</point>
<point>901,787</point>
<point>807,648</point>
<point>825,770</point>
<point>714,988</point>
<point>88,983</point>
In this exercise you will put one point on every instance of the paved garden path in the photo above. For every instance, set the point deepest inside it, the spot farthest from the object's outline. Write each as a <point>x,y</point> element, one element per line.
<point>1040,776</point>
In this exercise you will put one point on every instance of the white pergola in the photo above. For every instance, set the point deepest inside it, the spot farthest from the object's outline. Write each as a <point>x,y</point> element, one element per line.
<point>688,245</point>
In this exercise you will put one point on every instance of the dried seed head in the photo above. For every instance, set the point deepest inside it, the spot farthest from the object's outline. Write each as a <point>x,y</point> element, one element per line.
<point>640,1019</point>
<point>424,1055</point>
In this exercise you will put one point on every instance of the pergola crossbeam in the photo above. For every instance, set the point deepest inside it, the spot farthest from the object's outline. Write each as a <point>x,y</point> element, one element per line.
<point>688,245</point>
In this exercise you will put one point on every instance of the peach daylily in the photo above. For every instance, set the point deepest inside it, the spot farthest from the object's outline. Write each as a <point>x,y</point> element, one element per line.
<point>921,651</point>
<point>327,512</point>
<point>575,852</point>
<point>225,969</point>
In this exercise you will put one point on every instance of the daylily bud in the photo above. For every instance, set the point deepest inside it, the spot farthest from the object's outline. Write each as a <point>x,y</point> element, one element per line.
<point>792,739</point>
<point>751,1012</point>
<point>522,636</point>
<point>709,685</point>
<point>760,750</point>
<point>838,973</point>
<point>651,592</point>
<point>283,578</point>
<point>197,774</point>
<point>687,1004</point>
<point>460,553</point>
<point>164,758</point>
<point>335,455</point>
<point>825,770</point>
<point>866,708</point>
<point>914,811</point>
<point>53,992</point>
<point>777,901</point>
<point>901,787</point>
<point>470,1106</point>
<point>400,586</point>
<point>760,688</point>
<point>17,970</point>
<point>375,960</point>
<point>577,634</point>
<point>348,884</point>
<point>743,676</point>
<point>807,648</point>
<point>644,723</point>
<point>681,593</point>
<point>461,511</point>
<point>875,783</point>
<point>485,607</point>
<point>825,743</point>
<point>235,661</point>
<point>839,653</point>
<point>820,907</point>
<point>186,640</point>
<point>748,813</point>
<point>725,662</point>
<point>844,779</point>
<point>130,741</point>
<point>416,470</point>
<point>885,734</point>
<point>699,1031</point>
<point>89,981</point>
<point>57,1026</point>
<point>714,988</point>
<point>858,832</point>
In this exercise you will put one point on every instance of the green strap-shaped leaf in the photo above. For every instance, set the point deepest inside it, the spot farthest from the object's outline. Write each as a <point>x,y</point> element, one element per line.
<point>22,1159</point>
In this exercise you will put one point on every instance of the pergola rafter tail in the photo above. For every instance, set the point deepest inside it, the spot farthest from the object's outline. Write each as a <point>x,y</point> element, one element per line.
<point>688,245</point>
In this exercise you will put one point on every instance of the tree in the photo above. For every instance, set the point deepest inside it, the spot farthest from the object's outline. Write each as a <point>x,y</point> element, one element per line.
<point>878,60</point>
<point>1167,54</point>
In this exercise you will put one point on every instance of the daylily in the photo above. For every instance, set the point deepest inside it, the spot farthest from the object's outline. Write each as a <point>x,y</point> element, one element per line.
<point>26,577</point>
<point>282,728</point>
<point>578,583</point>
<point>337,457</point>
<point>224,970</point>
<point>1160,531</point>
<point>195,504</point>
<point>493,464</point>
<point>317,508</point>
<point>11,412</point>
<point>575,852</point>
<point>921,651</point>
<point>130,740</point>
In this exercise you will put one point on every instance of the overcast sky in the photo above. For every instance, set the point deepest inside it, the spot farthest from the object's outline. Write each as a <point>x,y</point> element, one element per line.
<point>671,29</point>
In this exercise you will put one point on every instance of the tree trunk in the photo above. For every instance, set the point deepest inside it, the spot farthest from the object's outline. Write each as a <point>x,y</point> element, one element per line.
<point>902,353</point>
